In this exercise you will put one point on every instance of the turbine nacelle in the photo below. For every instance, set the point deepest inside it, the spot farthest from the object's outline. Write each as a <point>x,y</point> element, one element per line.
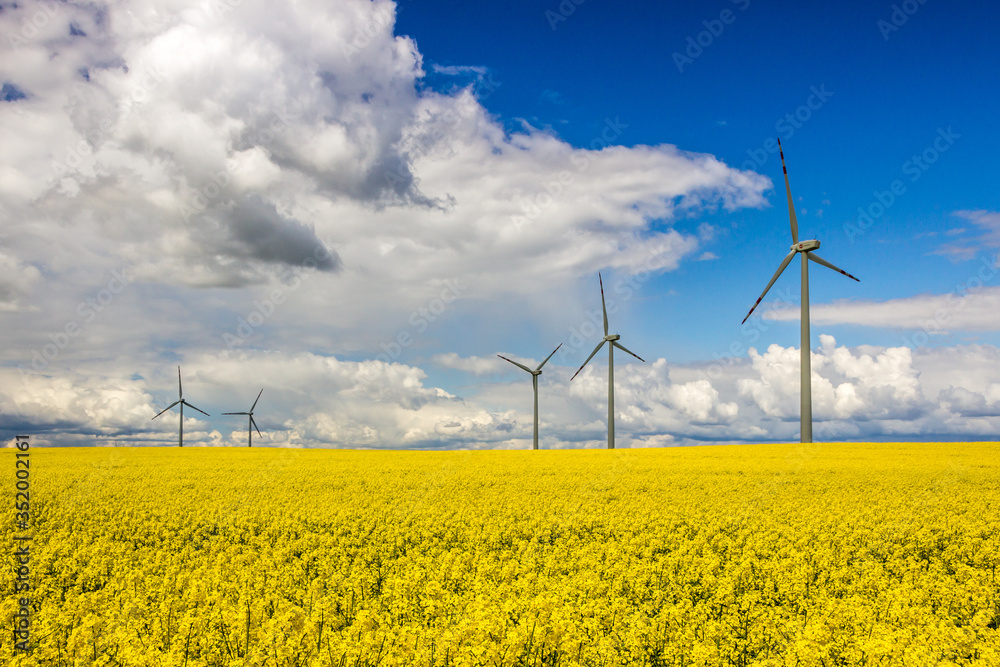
<point>535,372</point>
<point>805,249</point>
<point>805,246</point>
<point>613,340</point>
<point>251,422</point>
<point>181,402</point>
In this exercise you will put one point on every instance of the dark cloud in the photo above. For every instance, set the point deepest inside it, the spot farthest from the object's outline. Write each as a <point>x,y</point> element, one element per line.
<point>263,233</point>
<point>961,401</point>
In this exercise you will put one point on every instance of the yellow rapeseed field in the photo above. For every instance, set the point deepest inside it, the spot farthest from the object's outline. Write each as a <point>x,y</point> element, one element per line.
<point>827,554</point>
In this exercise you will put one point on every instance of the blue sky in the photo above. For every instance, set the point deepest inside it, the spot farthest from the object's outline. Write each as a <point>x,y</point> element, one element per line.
<point>334,202</point>
<point>891,92</point>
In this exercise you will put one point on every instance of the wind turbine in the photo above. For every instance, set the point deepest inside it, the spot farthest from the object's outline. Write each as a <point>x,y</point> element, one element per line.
<point>181,402</point>
<point>611,366</point>
<point>805,249</point>
<point>534,383</point>
<point>251,421</point>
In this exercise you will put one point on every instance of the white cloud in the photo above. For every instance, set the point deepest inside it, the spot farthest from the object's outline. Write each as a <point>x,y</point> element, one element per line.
<point>700,401</point>
<point>280,167</point>
<point>973,306</point>
<point>212,151</point>
<point>474,365</point>
<point>988,222</point>
<point>311,400</point>
<point>846,384</point>
<point>455,70</point>
<point>308,400</point>
<point>186,122</point>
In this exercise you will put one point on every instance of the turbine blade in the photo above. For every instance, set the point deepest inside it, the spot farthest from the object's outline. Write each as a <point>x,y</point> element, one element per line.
<point>194,408</point>
<point>548,357</point>
<point>823,262</point>
<point>234,413</point>
<point>165,409</point>
<point>791,206</point>
<point>599,346</point>
<point>603,307</point>
<point>180,389</point>
<point>254,422</point>
<point>255,402</point>
<point>784,264</point>
<point>514,362</point>
<point>625,349</point>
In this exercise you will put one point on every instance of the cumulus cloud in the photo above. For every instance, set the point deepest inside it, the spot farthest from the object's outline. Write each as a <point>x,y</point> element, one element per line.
<point>282,170</point>
<point>212,135</point>
<point>965,403</point>
<point>82,408</point>
<point>866,392</point>
<point>846,384</point>
<point>308,400</point>
<point>311,400</point>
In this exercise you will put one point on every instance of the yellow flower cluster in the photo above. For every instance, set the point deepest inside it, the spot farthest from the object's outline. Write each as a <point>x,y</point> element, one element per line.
<point>827,554</point>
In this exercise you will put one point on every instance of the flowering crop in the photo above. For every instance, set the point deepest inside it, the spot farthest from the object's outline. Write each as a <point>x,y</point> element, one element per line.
<point>832,554</point>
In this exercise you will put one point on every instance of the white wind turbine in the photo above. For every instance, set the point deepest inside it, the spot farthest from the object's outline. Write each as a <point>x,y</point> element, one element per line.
<point>251,423</point>
<point>611,366</point>
<point>534,382</point>
<point>181,402</point>
<point>805,249</point>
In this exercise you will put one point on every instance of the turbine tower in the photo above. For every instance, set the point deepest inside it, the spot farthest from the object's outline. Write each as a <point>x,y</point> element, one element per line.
<point>181,402</point>
<point>534,382</point>
<point>805,249</point>
<point>611,366</point>
<point>251,424</point>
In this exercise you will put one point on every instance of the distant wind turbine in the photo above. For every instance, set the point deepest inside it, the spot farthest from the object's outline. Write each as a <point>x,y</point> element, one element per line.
<point>611,366</point>
<point>534,382</point>
<point>805,249</point>
<point>181,402</point>
<point>251,422</point>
